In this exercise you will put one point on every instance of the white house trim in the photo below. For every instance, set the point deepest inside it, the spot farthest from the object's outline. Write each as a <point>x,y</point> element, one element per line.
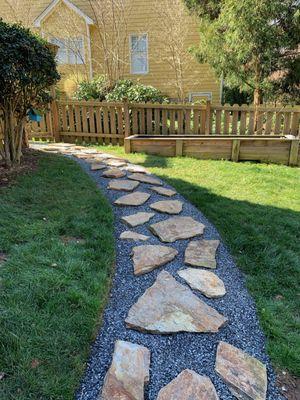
<point>68,3</point>
<point>89,49</point>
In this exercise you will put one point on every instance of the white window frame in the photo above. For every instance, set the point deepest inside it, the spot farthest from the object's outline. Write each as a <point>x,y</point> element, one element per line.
<point>69,50</point>
<point>208,95</point>
<point>147,53</point>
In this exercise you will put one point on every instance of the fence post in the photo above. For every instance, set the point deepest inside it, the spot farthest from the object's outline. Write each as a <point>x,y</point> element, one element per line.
<point>126,118</point>
<point>294,151</point>
<point>54,116</point>
<point>208,116</point>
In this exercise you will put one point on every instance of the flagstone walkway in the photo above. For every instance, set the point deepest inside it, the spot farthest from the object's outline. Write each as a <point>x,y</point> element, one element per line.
<point>180,323</point>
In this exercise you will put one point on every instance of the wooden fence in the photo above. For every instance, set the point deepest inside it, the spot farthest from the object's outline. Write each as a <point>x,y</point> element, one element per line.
<point>110,123</point>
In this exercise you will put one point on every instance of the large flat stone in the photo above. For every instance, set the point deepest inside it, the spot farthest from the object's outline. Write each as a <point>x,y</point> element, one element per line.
<point>169,307</point>
<point>145,179</point>
<point>133,199</point>
<point>97,166</point>
<point>163,191</point>
<point>176,228</point>
<point>123,184</point>
<point>113,173</point>
<point>128,373</point>
<point>130,235</point>
<point>148,257</point>
<point>206,282</point>
<point>135,169</point>
<point>137,219</point>
<point>115,163</point>
<point>168,206</point>
<point>189,386</point>
<point>202,253</point>
<point>245,375</point>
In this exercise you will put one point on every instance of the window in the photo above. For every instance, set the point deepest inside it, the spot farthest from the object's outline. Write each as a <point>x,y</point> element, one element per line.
<point>139,54</point>
<point>71,50</point>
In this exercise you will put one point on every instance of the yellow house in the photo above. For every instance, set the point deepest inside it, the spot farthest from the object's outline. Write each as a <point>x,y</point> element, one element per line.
<point>145,40</point>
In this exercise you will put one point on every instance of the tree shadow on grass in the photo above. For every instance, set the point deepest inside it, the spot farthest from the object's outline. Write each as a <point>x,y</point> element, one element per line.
<point>264,240</point>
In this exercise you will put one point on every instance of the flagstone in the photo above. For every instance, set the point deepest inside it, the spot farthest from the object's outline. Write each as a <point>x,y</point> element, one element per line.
<point>163,191</point>
<point>202,253</point>
<point>176,228</point>
<point>189,386</point>
<point>97,167</point>
<point>115,163</point>
<point>128,373</point>
<point>246,376</point>
<point>145,179</point>
<point>123,184</point>
<point>133,199</point>
<point>113,173</point>
<point>137,219</point>
<point>130,235</point>
<point>135,169</point>
<point>148,257</point>
<point>168,206</point>
<point>206,282</point>
<point>169,307</point>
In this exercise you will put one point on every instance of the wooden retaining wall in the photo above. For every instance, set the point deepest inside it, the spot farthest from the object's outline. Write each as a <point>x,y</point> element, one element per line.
<point>275,149</point>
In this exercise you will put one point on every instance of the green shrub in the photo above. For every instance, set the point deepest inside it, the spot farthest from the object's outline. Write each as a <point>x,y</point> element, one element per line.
<point>96,89</point>
<point>135,92</point>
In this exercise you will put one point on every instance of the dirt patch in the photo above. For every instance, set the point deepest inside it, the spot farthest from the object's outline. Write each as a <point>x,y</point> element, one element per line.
<point>29,163</point>
<point>71,239</point>
<point>288,385</point>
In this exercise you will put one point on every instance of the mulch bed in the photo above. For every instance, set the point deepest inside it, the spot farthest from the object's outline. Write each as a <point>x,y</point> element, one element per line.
<point>28,163</point>
<point>288,385</point>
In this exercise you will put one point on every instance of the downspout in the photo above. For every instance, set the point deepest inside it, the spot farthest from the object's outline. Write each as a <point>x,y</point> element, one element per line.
<point>89,50</point>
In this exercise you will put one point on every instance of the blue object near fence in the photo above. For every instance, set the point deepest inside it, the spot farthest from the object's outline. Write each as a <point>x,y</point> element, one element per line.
<point>34,115</point>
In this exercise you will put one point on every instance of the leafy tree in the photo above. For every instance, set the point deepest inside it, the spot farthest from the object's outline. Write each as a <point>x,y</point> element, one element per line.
<point>27,71</point>
<point>246,41</point>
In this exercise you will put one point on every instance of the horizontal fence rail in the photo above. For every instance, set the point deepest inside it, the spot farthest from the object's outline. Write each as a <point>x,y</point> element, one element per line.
<point>110,123</point>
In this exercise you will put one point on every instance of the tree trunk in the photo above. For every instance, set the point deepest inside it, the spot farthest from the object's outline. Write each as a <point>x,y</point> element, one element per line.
<point>13,137</point>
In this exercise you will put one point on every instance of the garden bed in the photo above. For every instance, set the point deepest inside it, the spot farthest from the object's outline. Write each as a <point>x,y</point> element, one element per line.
<point>274,149</point>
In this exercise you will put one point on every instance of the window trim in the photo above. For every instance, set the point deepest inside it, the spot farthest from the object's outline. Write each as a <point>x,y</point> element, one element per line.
<point>147,53</point>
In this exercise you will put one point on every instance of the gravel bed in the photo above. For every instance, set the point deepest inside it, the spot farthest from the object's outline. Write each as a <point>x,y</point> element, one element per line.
<point>170,354</point>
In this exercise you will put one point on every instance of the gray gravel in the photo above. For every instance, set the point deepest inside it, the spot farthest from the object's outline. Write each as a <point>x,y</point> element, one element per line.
<point>171,354</point>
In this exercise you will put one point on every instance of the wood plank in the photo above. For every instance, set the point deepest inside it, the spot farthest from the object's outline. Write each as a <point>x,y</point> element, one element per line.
<point>243,122</point>
<point>64,118</point>
<point>218,128</point>
<point>294,152</point>
<point>295,124</point>
<point>157,121</point>
<point>142,121</point>
<point>235,150</point>
<point>278,123</point>
<point>106,124</point>
<point>269,123</point>
<point>135,126</point>
<point>235,117</point>
<point>251,123</point>
<point>202,122</point>
<point>196,124</point>
<point>227,118</point>
<point>120,124</point>
<point>187,125</point>
<point>99,128</point>
<point>113,127</point>
<point>287,123</point>
<point>172,122</point>
<point>179,147</point>
<point>164,127</point>
<point>149,121</point>
<point>180,122</point>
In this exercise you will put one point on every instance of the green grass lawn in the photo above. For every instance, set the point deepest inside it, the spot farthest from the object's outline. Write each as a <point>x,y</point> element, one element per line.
<point>51,292</point>
<point>256,208</point>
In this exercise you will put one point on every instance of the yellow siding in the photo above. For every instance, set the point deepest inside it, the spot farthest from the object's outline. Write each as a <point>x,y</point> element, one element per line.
<point>141,19</point>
